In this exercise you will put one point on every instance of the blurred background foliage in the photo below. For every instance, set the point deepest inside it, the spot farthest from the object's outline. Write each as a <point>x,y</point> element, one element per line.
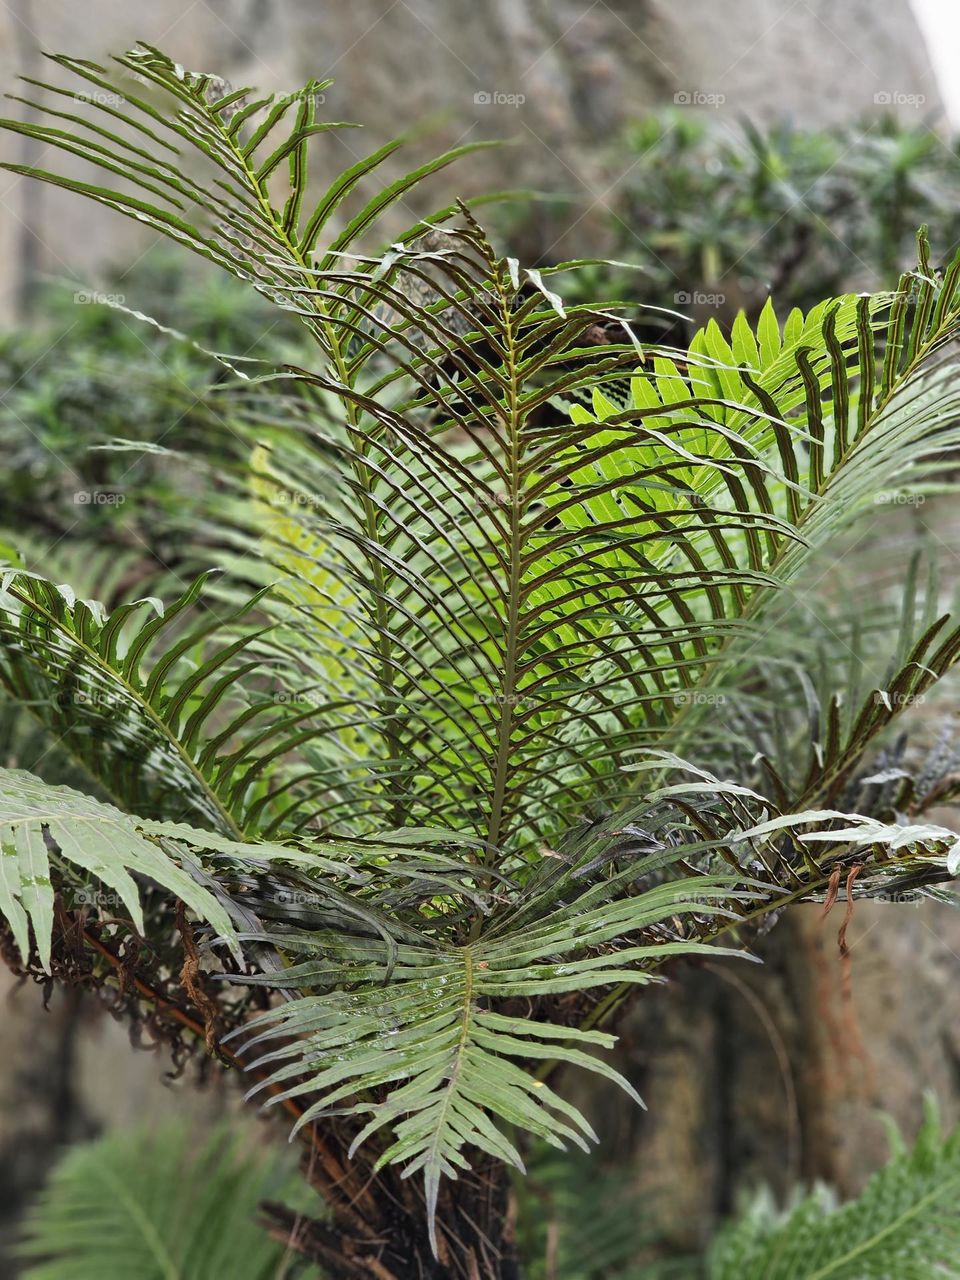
<point>721,219</point>
<point>110,425</point>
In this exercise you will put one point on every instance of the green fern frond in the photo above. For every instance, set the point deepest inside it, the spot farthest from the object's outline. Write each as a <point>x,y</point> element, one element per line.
<point>904,1224</point>
<point>453,1066</point>
<point>160,691</point>
<point>159,1205</point>
<point>39,823</point>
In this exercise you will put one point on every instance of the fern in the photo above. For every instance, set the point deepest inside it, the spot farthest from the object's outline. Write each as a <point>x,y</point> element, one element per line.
<point>158,1205</point>
<point>457,753</point>
<point>904,1224</point>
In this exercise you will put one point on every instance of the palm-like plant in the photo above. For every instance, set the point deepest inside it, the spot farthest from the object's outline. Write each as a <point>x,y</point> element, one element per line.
<point>453,780</point>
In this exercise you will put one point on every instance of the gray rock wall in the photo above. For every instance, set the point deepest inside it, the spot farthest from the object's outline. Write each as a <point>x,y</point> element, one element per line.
<point>558,77</point>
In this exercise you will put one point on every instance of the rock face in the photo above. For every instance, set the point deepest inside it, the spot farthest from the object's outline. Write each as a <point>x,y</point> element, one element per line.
<point>782,1074</point>
<point>559,78</point>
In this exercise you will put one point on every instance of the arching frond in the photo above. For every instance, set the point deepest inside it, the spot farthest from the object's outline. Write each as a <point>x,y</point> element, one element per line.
<point>39,823</point>
<point>201,159</point>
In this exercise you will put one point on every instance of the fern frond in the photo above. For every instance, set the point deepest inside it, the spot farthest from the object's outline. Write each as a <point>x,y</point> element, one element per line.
<point>453,1066</point>
<point>158,1204</point>
<point>40,823</point>
<point>905,1223</point>
<point>160,691</point>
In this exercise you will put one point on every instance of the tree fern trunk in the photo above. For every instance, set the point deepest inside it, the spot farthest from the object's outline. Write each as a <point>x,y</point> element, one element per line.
<point>381,1234</point>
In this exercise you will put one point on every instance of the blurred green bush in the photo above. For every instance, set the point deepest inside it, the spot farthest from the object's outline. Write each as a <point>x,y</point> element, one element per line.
<point>721,219</point>
<point>85,372</point>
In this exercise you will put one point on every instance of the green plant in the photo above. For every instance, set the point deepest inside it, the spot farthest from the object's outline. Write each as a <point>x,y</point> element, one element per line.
<point>155,1204</point>
<point>434,786</point>
<point>159,1205</point>
<point>578,1222</point>
<point>721,219</point>
<point>904,1223</point>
